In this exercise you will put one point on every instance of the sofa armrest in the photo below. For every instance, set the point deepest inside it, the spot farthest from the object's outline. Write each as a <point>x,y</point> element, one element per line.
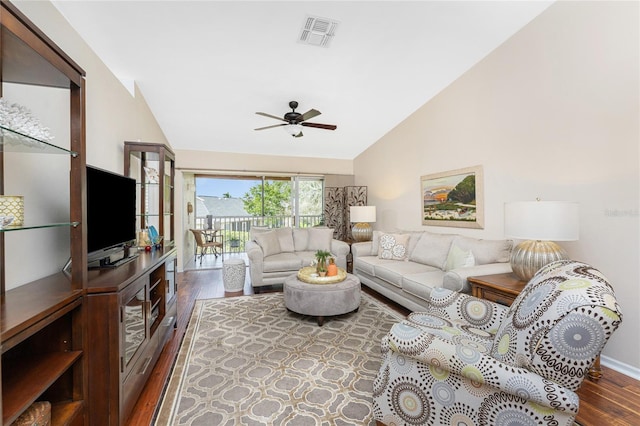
<point>340,250</point>
<point>256,262</point>
<point>361,249</point>
<point>457,279</point>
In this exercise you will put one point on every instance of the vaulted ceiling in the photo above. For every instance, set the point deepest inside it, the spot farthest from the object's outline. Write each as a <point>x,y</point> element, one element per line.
<point>206,67</point>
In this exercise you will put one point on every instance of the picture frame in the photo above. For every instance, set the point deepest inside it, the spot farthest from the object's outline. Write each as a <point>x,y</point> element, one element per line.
<point>453,198</point>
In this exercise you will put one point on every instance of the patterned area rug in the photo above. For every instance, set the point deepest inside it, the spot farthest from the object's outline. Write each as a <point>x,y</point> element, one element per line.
<point>247,360</point>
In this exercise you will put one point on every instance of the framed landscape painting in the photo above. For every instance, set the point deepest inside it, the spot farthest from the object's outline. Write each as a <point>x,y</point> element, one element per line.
<point>453,198</point>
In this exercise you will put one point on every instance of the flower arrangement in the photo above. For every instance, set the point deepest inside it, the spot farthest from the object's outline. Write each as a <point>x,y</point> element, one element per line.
<point>321,258</point>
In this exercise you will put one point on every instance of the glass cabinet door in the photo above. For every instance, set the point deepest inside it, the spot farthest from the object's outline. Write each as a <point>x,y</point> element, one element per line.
<point>134,324</point>
<point>152,165</point>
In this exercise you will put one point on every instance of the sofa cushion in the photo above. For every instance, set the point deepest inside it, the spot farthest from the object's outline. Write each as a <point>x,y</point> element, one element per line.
<point>300,238</point>
<point>459,258</point>
<point>432,249</point>
<point>393,246</point>
<point>421,284</point>
<point>285,238</point>
<point>255,230</point>
<point>367,264</point>
<point>269,243</point>
<point>282,262</point>
<point>392,271</point>
<point>486,251</point>
<point>307,258</point>
<point>320,239</point>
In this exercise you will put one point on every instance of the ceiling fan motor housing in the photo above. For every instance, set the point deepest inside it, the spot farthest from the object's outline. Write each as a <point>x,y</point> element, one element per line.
<point>292,117</point>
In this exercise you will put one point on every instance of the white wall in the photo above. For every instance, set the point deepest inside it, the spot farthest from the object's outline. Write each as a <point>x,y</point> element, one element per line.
<point>112,116</point>
<point>552,113</point>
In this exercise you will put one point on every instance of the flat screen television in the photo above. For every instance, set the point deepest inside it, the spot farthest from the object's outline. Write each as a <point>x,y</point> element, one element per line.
<point>111,218</point>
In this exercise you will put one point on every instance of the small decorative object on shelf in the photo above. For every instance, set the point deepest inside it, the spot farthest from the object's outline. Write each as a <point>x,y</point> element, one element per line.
<point>12,210</point>
<point>5,221</point>
<point>143,238</point>
<point>20,119</point>
<point>152,175</point>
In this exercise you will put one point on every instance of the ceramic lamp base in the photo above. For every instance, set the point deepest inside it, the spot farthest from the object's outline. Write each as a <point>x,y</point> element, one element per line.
<point>362,232</point>
<point>529,256</point>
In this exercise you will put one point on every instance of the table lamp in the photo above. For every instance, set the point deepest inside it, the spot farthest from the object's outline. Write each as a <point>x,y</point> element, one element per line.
<point>362,216</point>
<point>540,223</point>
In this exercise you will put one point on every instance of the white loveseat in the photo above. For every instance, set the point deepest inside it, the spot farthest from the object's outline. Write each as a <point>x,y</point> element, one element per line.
<point>405,267</point>
<point>275,254</point>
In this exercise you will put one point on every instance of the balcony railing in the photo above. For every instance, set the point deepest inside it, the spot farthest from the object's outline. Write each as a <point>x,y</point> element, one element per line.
<point>235,229</point>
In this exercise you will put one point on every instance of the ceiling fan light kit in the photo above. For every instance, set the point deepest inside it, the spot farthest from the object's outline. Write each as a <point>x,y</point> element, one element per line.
<point>294,130</point>
<point>294,121</point>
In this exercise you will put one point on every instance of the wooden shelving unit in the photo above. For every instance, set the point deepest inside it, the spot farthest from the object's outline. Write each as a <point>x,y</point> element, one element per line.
<point>155,191</point>
<point>41,327</point>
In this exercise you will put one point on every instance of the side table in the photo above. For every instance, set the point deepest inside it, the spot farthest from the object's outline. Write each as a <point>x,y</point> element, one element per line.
<point>349,257</point>
<point>503,289</point>
<point>498,288</point>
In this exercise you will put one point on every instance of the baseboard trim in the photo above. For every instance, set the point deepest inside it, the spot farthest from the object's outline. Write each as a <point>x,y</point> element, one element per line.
<point>620,367</point>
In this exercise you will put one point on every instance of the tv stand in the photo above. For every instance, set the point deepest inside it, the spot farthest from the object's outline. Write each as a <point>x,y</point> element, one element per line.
<point>131,313</point>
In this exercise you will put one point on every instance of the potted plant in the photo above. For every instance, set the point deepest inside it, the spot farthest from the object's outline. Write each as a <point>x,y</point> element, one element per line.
<point>321,258</point>
<point>234,242</point>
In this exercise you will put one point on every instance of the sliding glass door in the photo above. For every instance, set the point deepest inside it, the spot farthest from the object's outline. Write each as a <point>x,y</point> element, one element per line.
<point>235,203</point>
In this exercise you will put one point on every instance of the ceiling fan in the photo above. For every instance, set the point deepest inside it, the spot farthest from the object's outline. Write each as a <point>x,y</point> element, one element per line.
<point>293,121</point>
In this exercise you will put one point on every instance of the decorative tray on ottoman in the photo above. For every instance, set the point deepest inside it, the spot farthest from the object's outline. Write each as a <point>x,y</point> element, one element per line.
<point>309,275</point>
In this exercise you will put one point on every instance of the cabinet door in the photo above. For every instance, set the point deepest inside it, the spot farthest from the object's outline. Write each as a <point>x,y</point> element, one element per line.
<point>172,289</point>
<point>134,313</point>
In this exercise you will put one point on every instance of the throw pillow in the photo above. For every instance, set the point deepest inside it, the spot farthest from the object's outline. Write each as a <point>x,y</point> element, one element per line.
<point>486,251</point>
<point>432,249</point>
<point>285,238</point>
<point>255,230</point>
<point>375,242</point>
<point>320,239</point>
<point>269,243</point>
<point>459,258</point>
<point>393,246</point>
<point>300,239</point>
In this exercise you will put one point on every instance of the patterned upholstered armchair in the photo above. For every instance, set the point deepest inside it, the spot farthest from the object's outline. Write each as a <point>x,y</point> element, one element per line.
<point>467,361</point>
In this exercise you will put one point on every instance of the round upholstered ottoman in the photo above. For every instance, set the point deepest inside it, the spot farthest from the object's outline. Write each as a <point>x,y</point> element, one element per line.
<point>322,300</point>
<point>233,275</point>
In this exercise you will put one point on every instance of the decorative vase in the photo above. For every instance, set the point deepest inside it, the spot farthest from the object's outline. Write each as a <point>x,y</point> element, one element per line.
<point>332,268</point>
<point>321,267</point>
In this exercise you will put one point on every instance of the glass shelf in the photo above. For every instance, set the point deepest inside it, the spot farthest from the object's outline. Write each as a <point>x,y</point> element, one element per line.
<point>12,141</point>
<point>46,225</point>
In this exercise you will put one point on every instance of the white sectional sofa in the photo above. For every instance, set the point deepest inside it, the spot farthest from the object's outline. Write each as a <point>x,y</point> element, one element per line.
<point>405,267</point>
<point>274,254</point>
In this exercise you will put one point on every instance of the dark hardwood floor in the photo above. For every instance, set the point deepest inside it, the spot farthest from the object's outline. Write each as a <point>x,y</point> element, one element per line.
<point>613,401</point>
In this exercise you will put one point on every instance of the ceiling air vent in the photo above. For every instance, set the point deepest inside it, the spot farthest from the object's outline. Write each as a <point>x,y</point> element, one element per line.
<point>317,31</point>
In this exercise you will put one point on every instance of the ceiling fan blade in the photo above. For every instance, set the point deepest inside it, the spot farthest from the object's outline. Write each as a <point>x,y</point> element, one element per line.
<point>309,114</point>
<point>320,126</point>
<point>271,127</point>
<point>270,116</point>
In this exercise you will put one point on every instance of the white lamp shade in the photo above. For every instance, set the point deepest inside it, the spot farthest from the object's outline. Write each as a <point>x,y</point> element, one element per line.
<point>542,220</point>
<point>362,214</point>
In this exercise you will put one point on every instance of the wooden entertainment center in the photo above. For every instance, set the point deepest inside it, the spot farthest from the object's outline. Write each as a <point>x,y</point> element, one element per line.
<point>83,340</point>
<point>131,312</point>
